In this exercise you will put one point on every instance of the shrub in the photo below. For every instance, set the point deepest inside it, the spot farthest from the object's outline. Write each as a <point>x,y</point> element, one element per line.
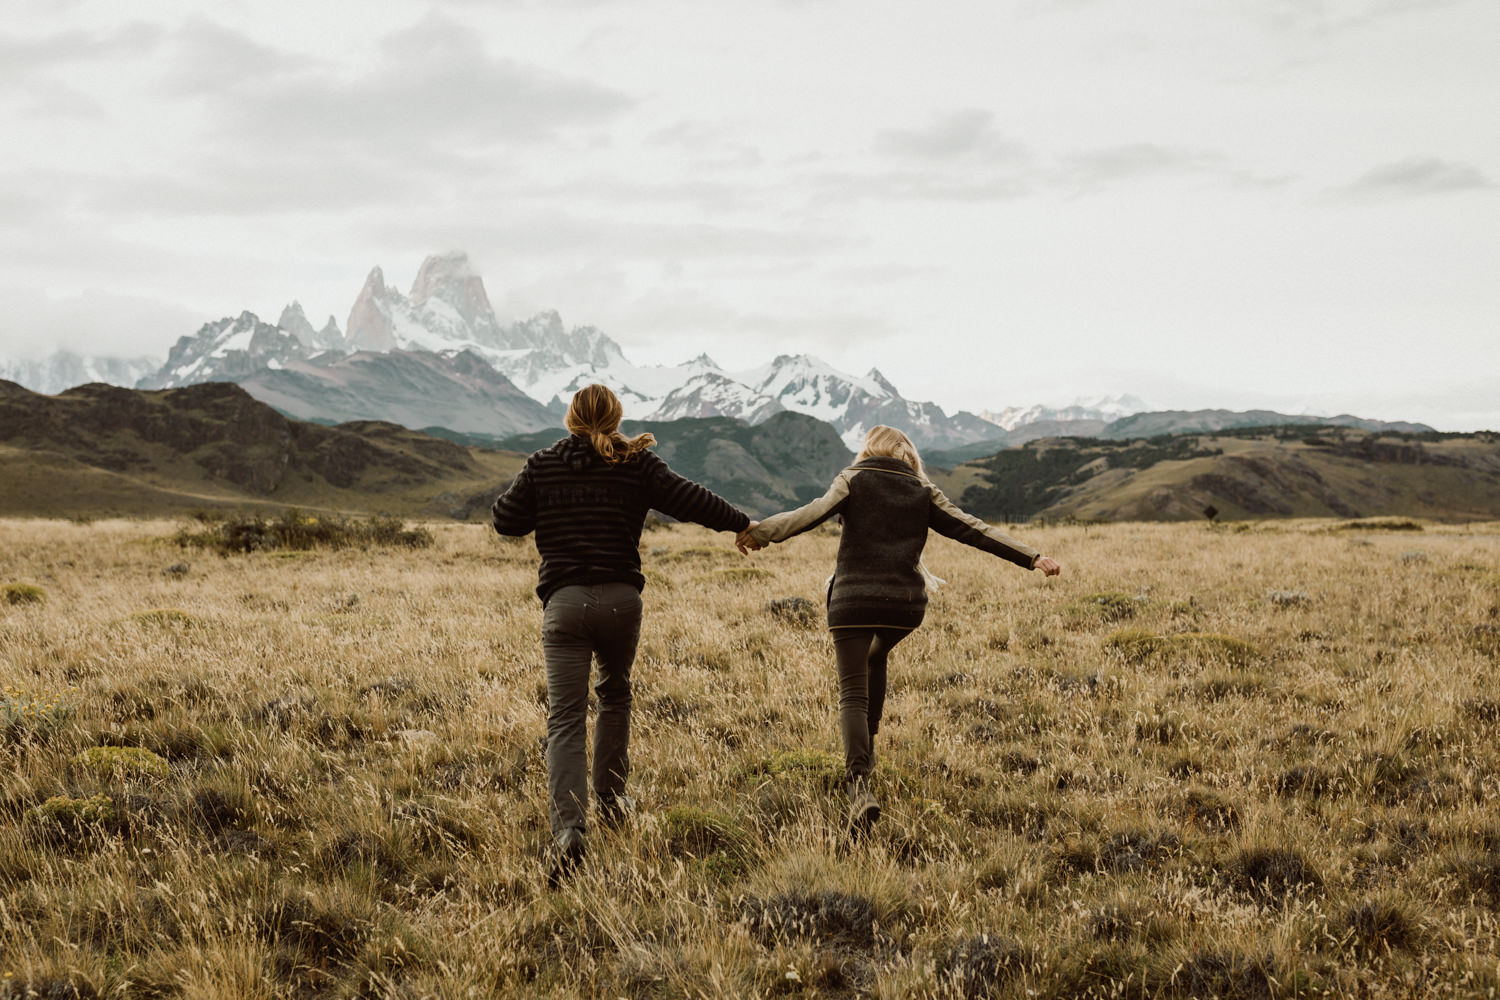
<point>822,766</point>
<point>123,762</point>
<point>717,841</point>
<point>694,832</point>
<point>830,917</point>
<point>742,574</point>
<point>1210,811</point>
<point>1380,925</point>
<point>794,610</point>
<point>1141,646</point>
<point>23,593</point>
<point>71,813</point>
<point>1104,607</point>
<point>173,618</point>
<point>298,531</point>
<point>982,965</point>
<point>1484,639</point>
<point>26,716</point>
<point>1269,874</point>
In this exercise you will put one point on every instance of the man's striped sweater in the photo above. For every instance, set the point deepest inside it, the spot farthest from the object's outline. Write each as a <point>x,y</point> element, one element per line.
<point>587,514</point>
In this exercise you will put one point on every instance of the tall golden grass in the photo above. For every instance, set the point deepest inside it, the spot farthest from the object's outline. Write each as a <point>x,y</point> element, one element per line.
<point>1257,761</point>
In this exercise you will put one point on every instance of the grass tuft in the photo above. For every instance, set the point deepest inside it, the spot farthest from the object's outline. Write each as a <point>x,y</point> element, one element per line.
<point>1140,646</point>
<point>983,966</point>
<point>1271,874</point>
<point>122,763</point>
<point>1105,607</point>
<point>1381,925</point>
<point>828,916</point>
<point>717,841</point>
<point>75,813</point>
<point>166,618</point>
<point>23,593</point>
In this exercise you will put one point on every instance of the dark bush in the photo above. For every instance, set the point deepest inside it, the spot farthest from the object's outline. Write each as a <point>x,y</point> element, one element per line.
<point>831,917</point>
<point>298,531</point>
<point>1269,873</point>
<point>981,966</point>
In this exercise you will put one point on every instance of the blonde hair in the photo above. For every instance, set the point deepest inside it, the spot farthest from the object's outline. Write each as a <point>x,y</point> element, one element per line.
<point>887,442</point>
<point>595,413</point>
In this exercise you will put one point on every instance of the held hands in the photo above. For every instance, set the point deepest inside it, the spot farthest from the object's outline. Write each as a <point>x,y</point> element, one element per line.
<point>744,542</point>
<point>1048,565</point>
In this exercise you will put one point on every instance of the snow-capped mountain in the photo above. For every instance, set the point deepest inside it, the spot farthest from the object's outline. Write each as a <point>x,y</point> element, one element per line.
<point>805,384</point>
<point>294,321</point>
<point>1106,408</point>
<point>711,394</point>
<point>65,369</point>
<point>447,314</point>
<point>226,350</point>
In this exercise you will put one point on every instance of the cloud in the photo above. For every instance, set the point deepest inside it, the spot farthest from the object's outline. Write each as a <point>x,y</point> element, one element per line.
<point>1329,17</point>
<point>968,134</point>
<point>37,324</point>
<point>1416,177</point>
<point>1095,169</point>
<point>40,69</point>
<point>432,87</point>
<point>21,56</point>
<point>209,58</point>
<point>566,235</point>
<point>843,187</point>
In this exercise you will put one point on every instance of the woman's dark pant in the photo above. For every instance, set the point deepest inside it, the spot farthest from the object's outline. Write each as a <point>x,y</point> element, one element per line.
<point>861,654</point>
<point>579,623</point>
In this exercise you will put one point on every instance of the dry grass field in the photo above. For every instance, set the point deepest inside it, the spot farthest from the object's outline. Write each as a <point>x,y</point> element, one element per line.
<point>1250,761</point>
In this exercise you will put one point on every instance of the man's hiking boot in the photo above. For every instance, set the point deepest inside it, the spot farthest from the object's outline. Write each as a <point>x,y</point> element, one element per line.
<point>863,809</point>
<point>566,856</point>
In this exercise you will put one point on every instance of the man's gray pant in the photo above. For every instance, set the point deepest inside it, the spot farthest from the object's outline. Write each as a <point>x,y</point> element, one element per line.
<point>580,622</point>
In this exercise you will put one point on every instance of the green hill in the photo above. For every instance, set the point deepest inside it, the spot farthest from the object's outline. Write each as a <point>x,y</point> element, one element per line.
<point>99,450</point>
<point>1244,473</point>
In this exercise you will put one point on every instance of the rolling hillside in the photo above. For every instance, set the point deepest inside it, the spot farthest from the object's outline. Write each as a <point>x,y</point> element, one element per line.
<point>1246,473</point>
<point>99,450</point>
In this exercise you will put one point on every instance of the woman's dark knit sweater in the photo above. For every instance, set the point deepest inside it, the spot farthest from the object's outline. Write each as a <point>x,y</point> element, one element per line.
<point>887,510</point>
<point>587,514</point>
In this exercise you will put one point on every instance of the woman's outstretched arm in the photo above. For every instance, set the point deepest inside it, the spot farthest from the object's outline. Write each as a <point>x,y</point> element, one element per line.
<point>780,527</point>
<point>946,519</point>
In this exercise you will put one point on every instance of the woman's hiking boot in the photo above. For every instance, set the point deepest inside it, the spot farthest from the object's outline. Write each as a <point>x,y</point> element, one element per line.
<point>566,856</point>
<point>863,809</point>
<point>616,812</point>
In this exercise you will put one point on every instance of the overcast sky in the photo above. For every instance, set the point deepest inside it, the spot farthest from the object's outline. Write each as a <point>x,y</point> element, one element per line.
<point>1245,203</point>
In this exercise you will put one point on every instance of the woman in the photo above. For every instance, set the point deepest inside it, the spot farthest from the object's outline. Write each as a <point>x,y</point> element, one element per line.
<point>878,593</point>
<point>586,497</point>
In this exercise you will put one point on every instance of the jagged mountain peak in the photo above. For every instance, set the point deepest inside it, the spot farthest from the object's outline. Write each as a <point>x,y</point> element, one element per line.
<point>375,281</point>
<point>874,375</point>
<point>452,265</point>
<point>449,278</point>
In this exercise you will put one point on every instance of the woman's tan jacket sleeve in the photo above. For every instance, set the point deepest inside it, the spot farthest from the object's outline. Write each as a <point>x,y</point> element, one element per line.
<point>780,527</point>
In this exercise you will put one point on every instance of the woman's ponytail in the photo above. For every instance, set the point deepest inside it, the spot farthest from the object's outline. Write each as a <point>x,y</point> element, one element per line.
<point>596,412</point>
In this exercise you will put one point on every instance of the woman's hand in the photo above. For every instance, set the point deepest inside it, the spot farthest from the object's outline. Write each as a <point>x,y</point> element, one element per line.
<point>1048,565</point>
<point>744,542</point>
